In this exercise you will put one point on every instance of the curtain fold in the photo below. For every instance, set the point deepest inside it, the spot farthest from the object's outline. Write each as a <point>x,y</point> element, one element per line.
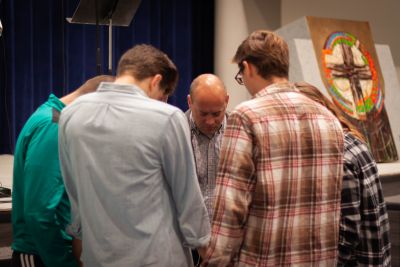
<point>41,53</point>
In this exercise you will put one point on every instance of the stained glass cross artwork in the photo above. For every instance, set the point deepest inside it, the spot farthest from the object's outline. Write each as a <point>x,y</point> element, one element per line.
<point>356,88</point>
<point>351,71</point>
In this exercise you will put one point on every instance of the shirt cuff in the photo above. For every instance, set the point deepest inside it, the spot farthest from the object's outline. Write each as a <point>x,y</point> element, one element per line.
<point>75,230</point>
<point>198,243</point>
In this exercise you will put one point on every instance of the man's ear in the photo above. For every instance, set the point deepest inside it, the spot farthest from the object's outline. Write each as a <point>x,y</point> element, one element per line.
<point>189,101</point>
<point>155,82</point>
<point>226,100</point>
<point>249,68</point>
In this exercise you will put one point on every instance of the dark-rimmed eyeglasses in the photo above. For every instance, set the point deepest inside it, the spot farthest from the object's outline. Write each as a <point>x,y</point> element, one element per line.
<point>239,75</point>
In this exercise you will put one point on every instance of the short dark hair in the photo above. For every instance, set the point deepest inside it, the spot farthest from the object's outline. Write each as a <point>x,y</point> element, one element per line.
<point>144,61</point>
<point>267,51</point>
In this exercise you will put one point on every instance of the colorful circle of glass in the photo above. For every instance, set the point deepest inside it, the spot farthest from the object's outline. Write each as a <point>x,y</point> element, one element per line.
<point>351,74</point>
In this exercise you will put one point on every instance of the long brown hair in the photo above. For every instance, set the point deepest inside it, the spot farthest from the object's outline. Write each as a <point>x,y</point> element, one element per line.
<point>313,93</point>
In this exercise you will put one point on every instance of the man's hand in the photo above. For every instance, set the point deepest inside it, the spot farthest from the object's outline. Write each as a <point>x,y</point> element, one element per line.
<point>202,252</point>
<point>77,250</point>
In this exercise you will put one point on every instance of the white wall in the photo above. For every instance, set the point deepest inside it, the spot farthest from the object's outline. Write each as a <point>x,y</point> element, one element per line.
<point>235,19</point>
<point>230,30</point>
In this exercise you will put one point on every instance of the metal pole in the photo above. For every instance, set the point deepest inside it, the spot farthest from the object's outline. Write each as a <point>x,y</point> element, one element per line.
<point>110,50</point>
<point>98,52</point>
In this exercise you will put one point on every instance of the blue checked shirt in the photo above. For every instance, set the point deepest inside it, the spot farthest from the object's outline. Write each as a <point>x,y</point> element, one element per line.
<point>364,227</point>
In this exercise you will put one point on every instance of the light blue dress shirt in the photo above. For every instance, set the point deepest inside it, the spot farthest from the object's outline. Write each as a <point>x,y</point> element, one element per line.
<point>128,167</point>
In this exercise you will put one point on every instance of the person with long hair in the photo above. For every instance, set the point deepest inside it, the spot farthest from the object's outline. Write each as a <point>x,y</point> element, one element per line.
<point>364,224</point>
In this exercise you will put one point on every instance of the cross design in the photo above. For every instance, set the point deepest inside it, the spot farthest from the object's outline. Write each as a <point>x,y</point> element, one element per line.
<point>353,72</point>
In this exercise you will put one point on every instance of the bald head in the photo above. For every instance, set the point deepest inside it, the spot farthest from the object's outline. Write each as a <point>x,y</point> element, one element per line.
<point>209,83</point>
<point>207,100</point>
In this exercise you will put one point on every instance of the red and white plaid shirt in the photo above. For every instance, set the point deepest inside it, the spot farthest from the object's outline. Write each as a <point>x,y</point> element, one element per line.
<point>278,184</point>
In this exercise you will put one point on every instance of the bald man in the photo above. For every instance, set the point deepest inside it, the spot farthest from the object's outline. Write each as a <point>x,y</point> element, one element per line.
<point>207,118</point>
<point>207,101</point>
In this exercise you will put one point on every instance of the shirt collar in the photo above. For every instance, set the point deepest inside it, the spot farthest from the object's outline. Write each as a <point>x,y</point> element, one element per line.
<point>122,88</point>
<point>277,88</point>
<point>55,102</point>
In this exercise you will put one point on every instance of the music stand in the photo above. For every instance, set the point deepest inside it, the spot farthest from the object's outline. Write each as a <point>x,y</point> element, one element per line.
<point>105,12</point>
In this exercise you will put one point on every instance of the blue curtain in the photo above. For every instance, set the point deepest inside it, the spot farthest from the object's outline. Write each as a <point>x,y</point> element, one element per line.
<point>41,53</point>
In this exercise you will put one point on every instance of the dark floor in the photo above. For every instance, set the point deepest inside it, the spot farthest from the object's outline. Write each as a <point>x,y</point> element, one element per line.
<point>5,238</point>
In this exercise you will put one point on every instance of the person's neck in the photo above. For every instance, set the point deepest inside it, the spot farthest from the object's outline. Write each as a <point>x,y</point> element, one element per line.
<point>125,80</point>
<point>263,83</point>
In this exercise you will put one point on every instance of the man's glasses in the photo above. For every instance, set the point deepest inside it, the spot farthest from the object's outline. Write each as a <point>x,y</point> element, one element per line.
<point>239,75</point>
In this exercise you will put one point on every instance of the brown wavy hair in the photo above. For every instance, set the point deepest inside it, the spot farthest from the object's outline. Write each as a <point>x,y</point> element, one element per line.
<point>143,61</point>
<point>313,93</point>
<point>267,51</point>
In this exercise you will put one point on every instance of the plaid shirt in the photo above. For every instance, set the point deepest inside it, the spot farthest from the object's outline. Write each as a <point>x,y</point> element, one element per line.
<point>364,227</point>
<point>278,184</point>
<point>206,154</point>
